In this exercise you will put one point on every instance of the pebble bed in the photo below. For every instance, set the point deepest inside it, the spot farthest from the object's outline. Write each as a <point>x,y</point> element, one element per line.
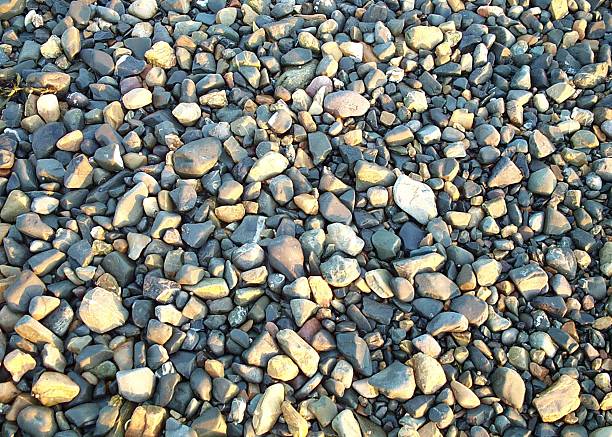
<point>305,218</point>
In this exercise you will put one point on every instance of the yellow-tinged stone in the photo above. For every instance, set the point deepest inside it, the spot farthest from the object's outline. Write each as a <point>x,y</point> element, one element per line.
<point>559,399</point>
<point>230,213</point>
<point>18,363</point>
<point>54,388</point>
<point>298,426</point>
<point>558,9</point>
<point>146,421</point>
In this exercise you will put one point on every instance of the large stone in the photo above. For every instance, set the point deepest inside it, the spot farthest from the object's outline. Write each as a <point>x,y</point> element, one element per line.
<point>424,37</point>
<point>268,409</point>
<point>346,425</point>
<point>26,286</point>
<point>508,386</point>
<point>53,388</point>
<point>415,198</point>
<point>558,400</point>
<point>37,421</point>
<point>136,385</point>
<point>102,311</point>
<point>195,159</point>
<point>269,165</point>
<point>530,279</point>
<point>286,256</point>
<point>428,373</point>
<point>129,209</point>
<point>339,271</point>
<point>346,104</point>
<point>301,352</point>
<point>11,8</point>
<point>395,381</point>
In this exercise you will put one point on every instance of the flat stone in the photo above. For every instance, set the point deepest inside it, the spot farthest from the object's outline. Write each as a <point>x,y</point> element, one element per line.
<point>300,352</point>
<point>395,381</point>
<point>344,104</point>
<point>558,400</point>
<point>136,385</point>
<point>102,311</point>
<point>53,388</point>
<point>415,198</point>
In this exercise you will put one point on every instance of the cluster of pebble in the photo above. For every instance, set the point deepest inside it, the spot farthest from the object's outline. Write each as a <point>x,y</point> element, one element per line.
<point>306,218</point>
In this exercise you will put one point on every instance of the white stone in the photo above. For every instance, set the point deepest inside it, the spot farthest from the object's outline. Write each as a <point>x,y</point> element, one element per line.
<point>48,108</point>
<point>143,9</point>
<point>187,113</point>
<point>136,385</point>
<point>102,310</point>
<point>344,238</point>
<point>415,198</point>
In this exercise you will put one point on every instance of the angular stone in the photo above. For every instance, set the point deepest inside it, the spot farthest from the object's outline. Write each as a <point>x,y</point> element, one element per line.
<point>286,256</point>
<point>395,381</point>
<point>428,373</point>
<point>53,388</point>
<point>195,159</point>
<point>415,198</point>
<point>102,311</point>
<point>300,352</point>
<point>508,386</point>
<point>136,385</point>
<point>558,400</point>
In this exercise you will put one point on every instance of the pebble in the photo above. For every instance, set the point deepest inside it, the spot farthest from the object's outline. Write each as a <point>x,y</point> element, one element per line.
<point>558,400</point>
<point>102,311</point>
<point>136,385</point>
<point>53,388</point>
<point>415,198</point>
<point>371,218</point>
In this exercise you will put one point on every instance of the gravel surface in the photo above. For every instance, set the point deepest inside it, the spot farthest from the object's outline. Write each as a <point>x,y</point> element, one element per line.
<point>305,218</point>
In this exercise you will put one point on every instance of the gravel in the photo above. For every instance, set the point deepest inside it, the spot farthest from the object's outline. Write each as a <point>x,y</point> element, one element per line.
<point>293,218</point>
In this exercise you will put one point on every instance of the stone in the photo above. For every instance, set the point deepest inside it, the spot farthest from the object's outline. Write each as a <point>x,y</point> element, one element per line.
<point>26,286</point>
<point>339,271</point>
<point>136,385</point>
<point>306,358</point>
<point>268,409</point>
<point>428,373</point>
<point>161,54</point>
<point>281,367</point>
<point>129,210</point>
<point>53,388</point>
<point>415,198</point>
<point>558,400</point>
<point>269,165</point>
<point>346,425</point>
<point>344,238</point>
<point>395,381</point>
<point>529,279</point>
<point>508,386</point>
<point>10,9</point>
<point>424,37</point>
<point>344,104</point>
<point>187,114</point>
<point>102,311</point>
<point>286,256</point>
<point>195,159</point>
<point>137,98</point>
<point>143,9</point>
<point>355,350</point>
